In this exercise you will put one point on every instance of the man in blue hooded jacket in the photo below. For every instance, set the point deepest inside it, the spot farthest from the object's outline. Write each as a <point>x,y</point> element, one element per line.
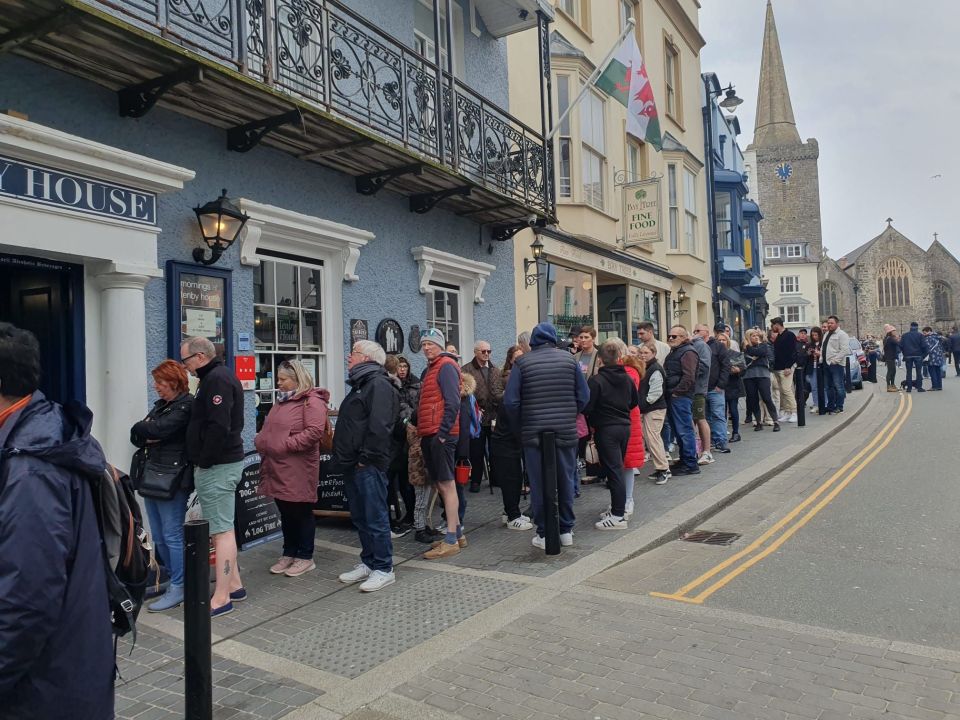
<point>914,349</point>
<point>57,654</point>
<point>545,393</point>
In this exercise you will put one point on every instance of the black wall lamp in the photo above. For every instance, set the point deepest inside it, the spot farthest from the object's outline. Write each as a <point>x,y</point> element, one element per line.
<point>220,224</point>
<point>537,249</point>
<point>681,296</point>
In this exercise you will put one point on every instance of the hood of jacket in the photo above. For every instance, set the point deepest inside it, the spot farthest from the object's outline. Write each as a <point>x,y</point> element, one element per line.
<point>468,385</point>
<point>315,392</point>
<point>59,435</point>
<point>359,374</point>
<point>543,334</point>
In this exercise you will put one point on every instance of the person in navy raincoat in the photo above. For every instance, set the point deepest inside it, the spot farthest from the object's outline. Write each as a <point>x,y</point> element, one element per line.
<point>56,645</point>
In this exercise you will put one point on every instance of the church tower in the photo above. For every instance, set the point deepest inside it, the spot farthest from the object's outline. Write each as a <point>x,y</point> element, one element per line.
<point>786,184</point>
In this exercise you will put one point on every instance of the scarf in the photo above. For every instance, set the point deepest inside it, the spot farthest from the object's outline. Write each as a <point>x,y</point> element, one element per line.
<point>284,396</point>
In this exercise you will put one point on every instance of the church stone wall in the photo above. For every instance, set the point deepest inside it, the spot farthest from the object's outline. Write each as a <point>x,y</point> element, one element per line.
<point>829,271</point>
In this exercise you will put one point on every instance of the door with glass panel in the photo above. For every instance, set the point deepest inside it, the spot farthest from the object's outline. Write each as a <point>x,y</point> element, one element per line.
<point>288,324</point>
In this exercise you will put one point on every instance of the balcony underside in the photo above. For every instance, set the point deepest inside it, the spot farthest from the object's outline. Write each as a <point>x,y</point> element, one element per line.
<point>71,36</point>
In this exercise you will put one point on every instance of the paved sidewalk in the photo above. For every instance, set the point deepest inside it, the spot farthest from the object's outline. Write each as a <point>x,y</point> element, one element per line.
<point>312,648</point>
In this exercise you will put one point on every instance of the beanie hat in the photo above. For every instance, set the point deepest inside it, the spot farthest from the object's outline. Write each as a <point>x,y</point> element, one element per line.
<point>543,334</point>
<point>914,325</point>
<point>434,336</point>
<point>720,327</point>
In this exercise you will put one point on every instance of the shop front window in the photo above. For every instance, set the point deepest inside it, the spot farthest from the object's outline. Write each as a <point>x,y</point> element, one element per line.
<point>569,298</point>
<point>288,324</point>
<point>644,307</point>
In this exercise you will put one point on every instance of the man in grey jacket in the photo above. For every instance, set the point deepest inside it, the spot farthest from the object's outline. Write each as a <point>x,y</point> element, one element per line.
<point>701,334</point>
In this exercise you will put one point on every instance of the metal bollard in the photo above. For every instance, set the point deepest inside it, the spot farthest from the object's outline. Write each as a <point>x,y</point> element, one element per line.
<point>847,381</point>
<point>821,390</point>
<point>799,390</point>
<point>551,505</point>
<point>197,651</point>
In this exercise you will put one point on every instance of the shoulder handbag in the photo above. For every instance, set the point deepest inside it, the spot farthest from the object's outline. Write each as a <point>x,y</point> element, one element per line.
<point>162,481</point>
<point>591,455</point>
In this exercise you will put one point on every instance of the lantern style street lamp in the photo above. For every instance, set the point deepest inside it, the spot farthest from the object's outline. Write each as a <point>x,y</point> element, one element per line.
<point>220,224</point>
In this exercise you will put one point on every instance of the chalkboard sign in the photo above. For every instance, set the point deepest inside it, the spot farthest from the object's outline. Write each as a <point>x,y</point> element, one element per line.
<point>331,491</point>
<point>257,520</point>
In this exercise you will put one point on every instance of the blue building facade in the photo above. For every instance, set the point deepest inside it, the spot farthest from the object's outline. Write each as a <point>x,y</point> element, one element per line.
<point>735,218</point>
<point>371,214</point>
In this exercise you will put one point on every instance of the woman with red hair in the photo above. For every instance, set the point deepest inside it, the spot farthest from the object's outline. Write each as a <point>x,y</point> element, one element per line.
<point>162,474</point>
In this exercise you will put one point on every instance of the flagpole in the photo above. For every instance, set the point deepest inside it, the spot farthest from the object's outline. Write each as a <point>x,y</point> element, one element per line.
<point>631,24</point>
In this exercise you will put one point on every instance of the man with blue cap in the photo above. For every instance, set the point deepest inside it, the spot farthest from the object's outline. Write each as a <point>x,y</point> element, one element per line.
<point>545,393</point>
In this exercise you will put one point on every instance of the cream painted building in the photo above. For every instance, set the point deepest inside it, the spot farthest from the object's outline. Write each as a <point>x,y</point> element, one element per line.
<point>587,277</point>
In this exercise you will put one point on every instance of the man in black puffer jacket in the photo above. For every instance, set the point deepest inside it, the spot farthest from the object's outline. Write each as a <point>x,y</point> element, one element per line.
<point>612,397</point>
<point>545,393</point>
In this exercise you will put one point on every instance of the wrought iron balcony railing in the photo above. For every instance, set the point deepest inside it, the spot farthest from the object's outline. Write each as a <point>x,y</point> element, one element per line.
<point>325,54</point>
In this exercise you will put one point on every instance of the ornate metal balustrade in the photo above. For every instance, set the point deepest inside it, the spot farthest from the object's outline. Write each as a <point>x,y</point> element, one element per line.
<point>322,52</point>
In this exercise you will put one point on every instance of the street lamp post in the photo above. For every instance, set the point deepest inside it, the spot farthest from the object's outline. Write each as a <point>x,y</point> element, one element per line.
<point>730,102</point>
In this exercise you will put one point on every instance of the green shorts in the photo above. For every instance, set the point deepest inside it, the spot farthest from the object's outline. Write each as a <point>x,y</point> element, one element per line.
<point>699,407</point>
<point>217,492</point>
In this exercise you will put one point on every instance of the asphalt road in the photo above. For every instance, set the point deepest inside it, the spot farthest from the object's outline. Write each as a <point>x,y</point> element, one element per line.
<point>881,558</point>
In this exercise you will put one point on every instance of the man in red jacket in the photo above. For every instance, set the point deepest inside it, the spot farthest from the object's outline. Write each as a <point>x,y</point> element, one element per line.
<point>438,427</point>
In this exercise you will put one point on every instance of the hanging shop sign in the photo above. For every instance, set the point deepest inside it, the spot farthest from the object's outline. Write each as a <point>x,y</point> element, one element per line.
<point>199,304</point>
<point>47,186</point>
<point>641,213</point>
<point>390,336</point>
<point>257,519</point>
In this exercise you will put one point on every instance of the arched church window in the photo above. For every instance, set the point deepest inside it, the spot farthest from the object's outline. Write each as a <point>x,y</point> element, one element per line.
<point>893,283</point>
<point>942,301</point>
<point>829,299</point>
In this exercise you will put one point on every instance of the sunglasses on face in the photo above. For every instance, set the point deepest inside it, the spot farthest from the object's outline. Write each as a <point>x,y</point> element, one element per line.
<point>484,352</point>
<point>672,337</point>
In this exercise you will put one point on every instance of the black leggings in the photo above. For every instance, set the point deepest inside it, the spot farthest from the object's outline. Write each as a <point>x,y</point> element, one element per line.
<point>507,472</point>
<point>758,389</point>
<point>891,373</point>
<point>400,487</point>
<point>299,528</point>
<point>733,407</point>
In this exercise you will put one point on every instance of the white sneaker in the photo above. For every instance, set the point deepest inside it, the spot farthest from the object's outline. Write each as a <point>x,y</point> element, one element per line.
<point>628,509</point>
<point>378,580</point>
<point>705,458</point>
<point>539,542</point>
<point>566,539</point>
<point>360,572</point>
<point>520,523</point>
<point>783,417</point>
<point>611,522</point>
<point>792,418</point>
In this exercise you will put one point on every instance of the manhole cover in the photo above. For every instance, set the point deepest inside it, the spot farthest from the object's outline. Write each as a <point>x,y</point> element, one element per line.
<point>711,537</point>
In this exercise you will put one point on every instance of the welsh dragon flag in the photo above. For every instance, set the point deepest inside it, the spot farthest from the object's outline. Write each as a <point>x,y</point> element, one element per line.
<point>625,79</point>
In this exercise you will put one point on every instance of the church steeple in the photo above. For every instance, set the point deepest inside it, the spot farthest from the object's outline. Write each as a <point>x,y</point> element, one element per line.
<point>775,124</point>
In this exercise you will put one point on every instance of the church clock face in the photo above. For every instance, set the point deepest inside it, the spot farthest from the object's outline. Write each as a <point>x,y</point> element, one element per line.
<point>784,171</point>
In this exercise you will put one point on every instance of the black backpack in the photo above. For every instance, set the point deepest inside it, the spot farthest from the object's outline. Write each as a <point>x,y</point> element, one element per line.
<point>125,545</point>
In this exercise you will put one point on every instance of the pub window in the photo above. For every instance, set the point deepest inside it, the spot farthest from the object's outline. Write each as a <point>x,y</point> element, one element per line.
<point>674,207</point>
<point>443,311</point>
<point>564,183</point>
<point>594,145</point>
<point>287,322</point>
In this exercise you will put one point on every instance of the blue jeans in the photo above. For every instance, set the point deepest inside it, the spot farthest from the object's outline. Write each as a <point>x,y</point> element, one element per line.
<point>914,363</point>
<point>680,412</point>
<point>836,387</point>
<point>717,417</point>
<point>367,494</point>
<point>166,519</point>
<point>566,469</point>
<point>936,376</point>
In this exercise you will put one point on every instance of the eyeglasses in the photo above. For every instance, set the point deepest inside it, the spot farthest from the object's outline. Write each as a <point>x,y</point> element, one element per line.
<point>484,352</point>
<point>183,361</point>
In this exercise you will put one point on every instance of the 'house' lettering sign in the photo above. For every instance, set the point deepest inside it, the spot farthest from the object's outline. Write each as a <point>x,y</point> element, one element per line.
<point>45,186</point>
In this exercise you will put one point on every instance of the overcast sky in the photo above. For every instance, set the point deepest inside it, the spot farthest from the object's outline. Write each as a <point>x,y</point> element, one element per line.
<point>877,82</point>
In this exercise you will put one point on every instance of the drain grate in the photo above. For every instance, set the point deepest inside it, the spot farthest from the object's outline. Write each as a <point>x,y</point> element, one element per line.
<point>711,537</point>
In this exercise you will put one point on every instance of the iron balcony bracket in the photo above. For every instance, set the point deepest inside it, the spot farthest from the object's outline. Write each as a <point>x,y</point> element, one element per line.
<point>137,100</point>
<point>244,138</point>
<point>374,182</point>
<point>504,232</point>
<point>425,202</point>
<point>35,30</point>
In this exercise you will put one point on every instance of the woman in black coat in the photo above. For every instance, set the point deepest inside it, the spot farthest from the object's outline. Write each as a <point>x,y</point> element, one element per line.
<point>734,389</point>
<point>891,348</point>
<point>161,435</point>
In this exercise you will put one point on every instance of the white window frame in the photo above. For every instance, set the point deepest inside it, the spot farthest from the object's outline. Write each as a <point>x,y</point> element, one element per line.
<point>564,182</point>
<point>571,8</point>
<point>423,43</point>
<point>469,276</point>
<point>793,251</point>
<point>336,245</point>
<point>674,204</point>
<point>785,312</point>
<point>789,281</point>
<point>691,227</point>
<point>590,154</point>
<point>771,252</point>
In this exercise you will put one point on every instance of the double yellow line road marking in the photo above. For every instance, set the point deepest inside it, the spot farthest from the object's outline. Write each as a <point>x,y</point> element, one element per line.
<point>785,528</point>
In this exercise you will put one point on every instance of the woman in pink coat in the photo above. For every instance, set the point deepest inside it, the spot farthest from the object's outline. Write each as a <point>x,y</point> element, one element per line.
<point>634,457</point>
<point>289,447</point>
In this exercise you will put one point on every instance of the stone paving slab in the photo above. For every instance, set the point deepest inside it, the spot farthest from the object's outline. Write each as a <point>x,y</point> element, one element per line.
<point>596,657</point>
<point>152,684</point>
